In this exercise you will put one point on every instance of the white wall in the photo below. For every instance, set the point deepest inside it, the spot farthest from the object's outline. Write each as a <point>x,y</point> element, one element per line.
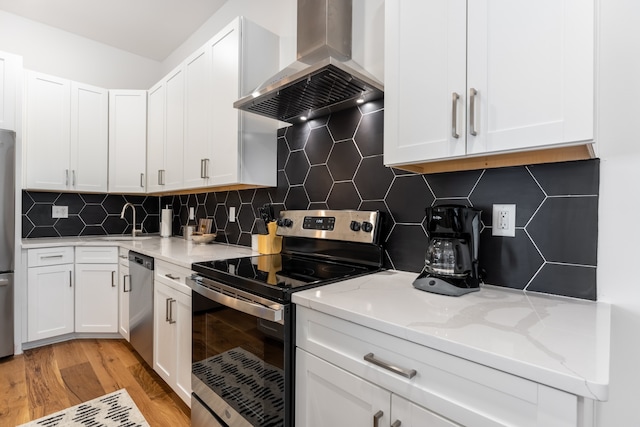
<point>280,17</point>
<point>619,232</point>
<point>53,51</point>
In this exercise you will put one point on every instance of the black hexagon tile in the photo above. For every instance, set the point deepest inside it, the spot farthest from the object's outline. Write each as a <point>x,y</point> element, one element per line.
<point>73,202</point>
<point>508,261</point>
<point>319,146</point>
<point>297,198</point>
<point>453,184</point>
<point>565,230</point>
<point>297,167</point>
<point>343,195</point>
<point>369,135</point>
<point>373,178</point>
<point>568,280</point>
<point>318,183</point>
<point>71,226</point>
<point>408,197</point>
<point>343,126</point>
<point>296,136</point>
<point>344,160</point>
<point>406,247</point>
<point>570,178</point>
<point>513,185</point>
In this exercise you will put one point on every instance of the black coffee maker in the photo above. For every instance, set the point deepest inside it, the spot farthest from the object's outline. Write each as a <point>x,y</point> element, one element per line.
<point>451,260</point>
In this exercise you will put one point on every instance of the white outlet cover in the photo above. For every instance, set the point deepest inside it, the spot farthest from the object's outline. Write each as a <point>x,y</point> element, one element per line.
<point>59,212</point>
<point>503,222</point>
<point>232,214</point>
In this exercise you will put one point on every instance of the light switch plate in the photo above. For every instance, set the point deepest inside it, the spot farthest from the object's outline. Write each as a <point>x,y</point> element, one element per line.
<point>504,220</point>
<point>59,212</point>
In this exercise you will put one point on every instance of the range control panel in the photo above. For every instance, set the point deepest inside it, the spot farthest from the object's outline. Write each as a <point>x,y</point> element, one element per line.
<point>344,225</point>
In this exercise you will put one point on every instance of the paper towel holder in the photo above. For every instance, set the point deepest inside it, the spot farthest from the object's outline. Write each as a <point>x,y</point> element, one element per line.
<point>166,222</point>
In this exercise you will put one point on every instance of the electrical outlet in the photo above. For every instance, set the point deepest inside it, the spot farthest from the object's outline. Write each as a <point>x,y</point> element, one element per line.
<point>59,212</point>
<point>504,220</point>
<point>232,214</point>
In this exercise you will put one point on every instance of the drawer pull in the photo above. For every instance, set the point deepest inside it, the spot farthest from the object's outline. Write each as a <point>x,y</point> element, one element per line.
<point>396,424</point>
<point>51,256</point>
<point>172,277</point>
<point>407,373</point>
<point>123,256</point>
<point>376,418</point>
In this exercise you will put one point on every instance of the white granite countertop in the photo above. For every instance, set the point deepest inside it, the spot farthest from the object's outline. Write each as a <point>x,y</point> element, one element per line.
<point>175,250</point>
<point>560,342</point>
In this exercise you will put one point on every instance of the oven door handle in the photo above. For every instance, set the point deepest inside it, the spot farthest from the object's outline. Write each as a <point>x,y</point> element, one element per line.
<point>273,314</point>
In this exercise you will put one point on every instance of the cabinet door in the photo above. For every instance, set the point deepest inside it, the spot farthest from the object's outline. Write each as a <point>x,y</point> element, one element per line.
<point>124,287</point>
<point>164,334</point>
<point>327,396</point>
<point>174,128</point>
<point>89,137</point>
<point>50,309</point>
<point>224,119</point>
<point>532,64</point>
<point>425,60</point>
<point>96,297</point>
<point>411,415</point>
<point>47,132</point>
<point>127,141</point>
<point>156,173</point>
<point>198,99</point>
<point>181,313</point>
<point>10,66</point>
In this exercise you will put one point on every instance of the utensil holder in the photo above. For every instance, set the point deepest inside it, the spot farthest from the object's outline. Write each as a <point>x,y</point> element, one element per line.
<point>270,243</point>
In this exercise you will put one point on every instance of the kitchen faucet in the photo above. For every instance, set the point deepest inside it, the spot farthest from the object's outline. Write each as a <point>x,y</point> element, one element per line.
<point>133,208</point>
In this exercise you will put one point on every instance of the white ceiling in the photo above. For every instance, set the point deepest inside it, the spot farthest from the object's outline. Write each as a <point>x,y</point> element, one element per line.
<point>150,28</point>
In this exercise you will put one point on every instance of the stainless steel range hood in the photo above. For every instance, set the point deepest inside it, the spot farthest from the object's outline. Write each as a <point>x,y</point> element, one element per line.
<point>324,79</point>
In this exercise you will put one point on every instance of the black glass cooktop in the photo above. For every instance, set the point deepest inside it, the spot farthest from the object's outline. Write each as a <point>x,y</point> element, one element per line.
<point>277,276</point>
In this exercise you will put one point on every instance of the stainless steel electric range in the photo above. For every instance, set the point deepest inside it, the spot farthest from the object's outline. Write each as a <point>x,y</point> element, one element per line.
<point>243,320</point>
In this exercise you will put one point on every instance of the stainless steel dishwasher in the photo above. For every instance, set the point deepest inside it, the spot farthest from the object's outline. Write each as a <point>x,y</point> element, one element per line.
<point>141,305</point>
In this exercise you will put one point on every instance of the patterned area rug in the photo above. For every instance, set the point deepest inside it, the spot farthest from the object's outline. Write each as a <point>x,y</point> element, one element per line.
<point>115,409</point>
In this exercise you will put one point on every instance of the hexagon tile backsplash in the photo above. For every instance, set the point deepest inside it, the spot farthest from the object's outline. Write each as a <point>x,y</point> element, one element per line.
<point>336,163</point>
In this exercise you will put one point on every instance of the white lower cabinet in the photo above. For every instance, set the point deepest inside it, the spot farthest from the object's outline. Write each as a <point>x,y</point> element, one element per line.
<point>124,288</point>
<point>349,374</point>
<point>329,396</point>
<point>50,292</point>
<point>172,328</point>
<point>96,296</point>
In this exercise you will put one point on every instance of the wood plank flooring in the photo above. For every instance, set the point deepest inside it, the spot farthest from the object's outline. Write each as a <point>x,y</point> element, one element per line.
<point>54,377</point>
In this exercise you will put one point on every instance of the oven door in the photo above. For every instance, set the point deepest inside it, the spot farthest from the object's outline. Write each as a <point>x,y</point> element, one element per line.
<point>242,349</point>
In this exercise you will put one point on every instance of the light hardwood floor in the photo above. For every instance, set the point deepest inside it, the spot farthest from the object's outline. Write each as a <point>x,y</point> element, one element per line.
<point>54,377</point>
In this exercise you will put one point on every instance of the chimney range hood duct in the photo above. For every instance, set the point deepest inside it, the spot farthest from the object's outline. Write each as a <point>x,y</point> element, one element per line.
<point>324,79</point>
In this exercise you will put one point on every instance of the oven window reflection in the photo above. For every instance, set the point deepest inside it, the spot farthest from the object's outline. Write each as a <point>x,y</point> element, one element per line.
<point>241,358</point>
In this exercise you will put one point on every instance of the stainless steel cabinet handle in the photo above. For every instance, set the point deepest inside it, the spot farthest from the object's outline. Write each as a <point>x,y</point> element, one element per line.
<point>376,418</point>
<point>70,278</point>
<point>66,177</point>
<point>397,423</point>
<point>73,178</point>
<point>206,168</point>
<point>407,373</point>
<point>50,256</point>
<point>4,282</point>
<point>160,177</point>
<point>166,309</point>
<point>472,111</point>
<point>202,169</point>
<point>123,256</point>
<point>142,180</point>
<point>454,115</point>
<point>172,277</point>
<point>113,279</point>
<point>124,283</point>
<point>171,319</point>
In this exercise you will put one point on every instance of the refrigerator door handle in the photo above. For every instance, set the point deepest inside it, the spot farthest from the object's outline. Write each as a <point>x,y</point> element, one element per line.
<point>4,282</point>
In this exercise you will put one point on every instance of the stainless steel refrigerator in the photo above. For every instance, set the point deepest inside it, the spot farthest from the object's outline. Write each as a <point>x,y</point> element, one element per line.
<point>7,234</point>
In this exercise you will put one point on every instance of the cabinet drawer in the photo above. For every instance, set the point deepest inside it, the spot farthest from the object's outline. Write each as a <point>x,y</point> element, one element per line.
<point>173,275</point>
<point>123,257</point>
<point>96,255</point>
<point>49,256</point>
<point>458,389</point>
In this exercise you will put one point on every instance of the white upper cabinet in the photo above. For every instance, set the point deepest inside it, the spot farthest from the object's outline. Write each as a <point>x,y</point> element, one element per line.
<point>47,132</point>
<point>197,109</point>
<point>10,68</point>
<point>127,141</point>
<point>65,135</point>
<point>89,138</point>
<point>165,136</point>
<point>222,145</point>
<point>468,78</point>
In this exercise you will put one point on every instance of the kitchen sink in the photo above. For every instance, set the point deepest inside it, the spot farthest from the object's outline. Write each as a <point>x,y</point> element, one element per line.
<point>125,238</point>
